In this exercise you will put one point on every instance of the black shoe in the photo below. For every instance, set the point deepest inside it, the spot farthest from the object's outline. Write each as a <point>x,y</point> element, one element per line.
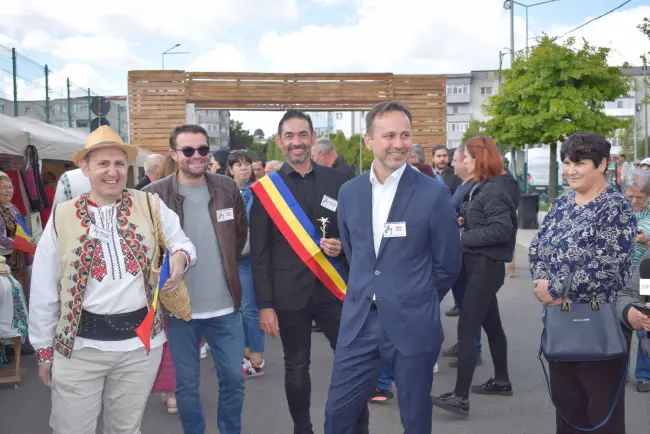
<point>643,386</point>
<point>492,387</point>
<point>381,396</point>
<point>452,403</point>
<point>315,328</point>
<point>454,363</point>
<point>454,311</point>
<point>451,351</point>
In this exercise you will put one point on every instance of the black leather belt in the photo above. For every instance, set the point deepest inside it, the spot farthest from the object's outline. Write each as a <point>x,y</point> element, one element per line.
<point>118,327</point>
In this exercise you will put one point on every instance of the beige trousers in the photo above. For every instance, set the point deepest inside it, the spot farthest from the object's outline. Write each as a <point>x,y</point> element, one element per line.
<point>122,380</point>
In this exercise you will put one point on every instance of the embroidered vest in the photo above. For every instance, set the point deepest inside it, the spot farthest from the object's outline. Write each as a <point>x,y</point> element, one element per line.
<point>80,255</point>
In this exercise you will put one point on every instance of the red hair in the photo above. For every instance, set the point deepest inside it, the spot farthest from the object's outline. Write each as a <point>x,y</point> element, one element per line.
<point>488,159</point>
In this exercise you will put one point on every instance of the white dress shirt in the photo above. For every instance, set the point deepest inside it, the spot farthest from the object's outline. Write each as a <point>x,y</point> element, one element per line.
<point>382,201</point>
<point>113,289</point>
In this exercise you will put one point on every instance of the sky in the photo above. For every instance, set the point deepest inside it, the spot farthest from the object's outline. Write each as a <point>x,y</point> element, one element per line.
<point>96,44</point>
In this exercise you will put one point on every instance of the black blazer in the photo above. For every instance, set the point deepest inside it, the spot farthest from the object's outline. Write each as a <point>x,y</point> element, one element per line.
<point>282,280</point>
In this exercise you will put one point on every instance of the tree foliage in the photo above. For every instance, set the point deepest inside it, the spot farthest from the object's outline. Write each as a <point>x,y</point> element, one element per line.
<point>273,152</point>
<point>475,128</point>
<point>239,137</point>
<point>556,91</point>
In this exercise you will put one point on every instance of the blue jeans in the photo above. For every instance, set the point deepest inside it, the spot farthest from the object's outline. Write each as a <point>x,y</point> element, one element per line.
<point>225,337</point>
<point>642,372</point>
<point>253,335</point>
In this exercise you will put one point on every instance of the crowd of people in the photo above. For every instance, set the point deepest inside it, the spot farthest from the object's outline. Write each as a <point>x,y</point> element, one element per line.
<point>272,248</point>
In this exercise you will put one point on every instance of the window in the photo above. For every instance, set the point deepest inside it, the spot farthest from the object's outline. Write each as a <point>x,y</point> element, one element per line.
<point>339,116</point>
<point>451,144</point>
<point>82,123</point>
<point>619,104</point>
<point>486,90</point>
<point>458,89</point>
<point>459,109</point>
<point>457,127</point>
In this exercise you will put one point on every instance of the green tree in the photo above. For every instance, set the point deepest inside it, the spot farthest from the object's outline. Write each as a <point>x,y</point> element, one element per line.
<point>239,137</point>
<point>355,142</point>
<point>556,91</point>
<point>475,128</point>
<point>273,152</point>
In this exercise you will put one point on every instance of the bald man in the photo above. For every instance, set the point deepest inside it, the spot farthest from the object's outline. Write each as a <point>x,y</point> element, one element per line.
<point>152,170</point>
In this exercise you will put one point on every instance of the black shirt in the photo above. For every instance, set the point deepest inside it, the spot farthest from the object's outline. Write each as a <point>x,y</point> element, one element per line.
<point>303,188</point>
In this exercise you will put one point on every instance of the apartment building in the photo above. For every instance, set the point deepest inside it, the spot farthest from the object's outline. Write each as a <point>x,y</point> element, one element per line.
<point>349,123</point>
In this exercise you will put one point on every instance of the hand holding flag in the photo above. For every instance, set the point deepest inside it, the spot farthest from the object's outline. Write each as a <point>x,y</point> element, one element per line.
<point>23,237</point>
<point>144,330</point>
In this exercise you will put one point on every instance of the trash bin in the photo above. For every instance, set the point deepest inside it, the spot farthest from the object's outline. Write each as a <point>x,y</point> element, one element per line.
<point>528,209</point>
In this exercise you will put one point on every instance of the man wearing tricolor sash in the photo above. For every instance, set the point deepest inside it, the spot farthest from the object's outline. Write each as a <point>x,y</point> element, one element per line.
<point>92,287</point>
<point>299,270</point>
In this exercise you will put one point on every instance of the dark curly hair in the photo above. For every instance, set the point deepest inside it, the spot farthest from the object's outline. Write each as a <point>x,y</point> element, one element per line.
<point>586,146</point>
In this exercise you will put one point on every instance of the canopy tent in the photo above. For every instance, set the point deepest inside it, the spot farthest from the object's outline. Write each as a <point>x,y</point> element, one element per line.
<point>53,143</point>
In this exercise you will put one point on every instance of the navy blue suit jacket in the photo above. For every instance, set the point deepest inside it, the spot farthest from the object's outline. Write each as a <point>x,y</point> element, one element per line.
<point>407,272</point>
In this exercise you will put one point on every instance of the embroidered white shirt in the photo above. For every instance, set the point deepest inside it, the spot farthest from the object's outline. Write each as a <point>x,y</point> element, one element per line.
<point>114,286</point>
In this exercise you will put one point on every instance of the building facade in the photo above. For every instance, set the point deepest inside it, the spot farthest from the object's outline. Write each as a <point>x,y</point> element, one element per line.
<point>349,123</point>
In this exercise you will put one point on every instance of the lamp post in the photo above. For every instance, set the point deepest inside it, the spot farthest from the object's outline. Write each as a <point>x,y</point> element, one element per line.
<point>508,5</point>
<point>168,52</point>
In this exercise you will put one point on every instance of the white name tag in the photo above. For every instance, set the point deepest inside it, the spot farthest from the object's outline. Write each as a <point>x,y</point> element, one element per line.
<point>223,215</point>
<point>395,230</point>
<point>329,203</point>
<point>644,287</point>
<point>103,235</point>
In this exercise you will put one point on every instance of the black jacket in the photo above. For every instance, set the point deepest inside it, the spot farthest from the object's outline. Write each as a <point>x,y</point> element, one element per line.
<point>342,166</point>
<point>143,183</point>
<point>510,185</point>
<point>490,226</point>
<point>450,179</point>
<point>281,279</point>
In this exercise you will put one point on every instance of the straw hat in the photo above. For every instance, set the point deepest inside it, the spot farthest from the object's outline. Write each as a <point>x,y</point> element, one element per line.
<point>104,137</point>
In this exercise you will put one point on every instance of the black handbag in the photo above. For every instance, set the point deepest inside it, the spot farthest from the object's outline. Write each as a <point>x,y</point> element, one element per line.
<point>588,332</point>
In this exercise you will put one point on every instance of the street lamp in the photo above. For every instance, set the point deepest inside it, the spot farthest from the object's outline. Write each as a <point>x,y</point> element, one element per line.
<point>168,52</point>
<point>508,5</point>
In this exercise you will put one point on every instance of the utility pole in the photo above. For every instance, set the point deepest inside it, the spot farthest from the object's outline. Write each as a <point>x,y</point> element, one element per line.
<point>47,95</point>
<point>69,105</point>
<point>15,73</point>
<point>645,105</point>
<point>512,32</point>
<point>89,114</point>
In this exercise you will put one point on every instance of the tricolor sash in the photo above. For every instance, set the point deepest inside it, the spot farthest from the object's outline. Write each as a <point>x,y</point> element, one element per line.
<point>299,231</point>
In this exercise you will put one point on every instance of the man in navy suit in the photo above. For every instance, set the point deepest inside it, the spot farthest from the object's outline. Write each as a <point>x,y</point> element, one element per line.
<point>399,232</point>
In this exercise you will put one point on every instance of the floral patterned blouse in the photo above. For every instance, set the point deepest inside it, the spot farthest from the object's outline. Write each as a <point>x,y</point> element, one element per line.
<point>595,241</point>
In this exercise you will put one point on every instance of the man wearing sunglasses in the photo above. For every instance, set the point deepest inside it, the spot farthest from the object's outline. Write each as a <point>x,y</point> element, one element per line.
<point>213,216</point>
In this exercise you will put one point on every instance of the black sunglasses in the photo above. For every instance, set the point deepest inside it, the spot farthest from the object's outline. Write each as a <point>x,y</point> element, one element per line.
<point>189,152</point>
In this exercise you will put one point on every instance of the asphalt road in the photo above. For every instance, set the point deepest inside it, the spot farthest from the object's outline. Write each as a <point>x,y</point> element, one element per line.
<point>26,410</point>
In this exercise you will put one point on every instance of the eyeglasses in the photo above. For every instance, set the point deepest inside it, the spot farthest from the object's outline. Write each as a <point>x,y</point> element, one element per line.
<point>189,152</point>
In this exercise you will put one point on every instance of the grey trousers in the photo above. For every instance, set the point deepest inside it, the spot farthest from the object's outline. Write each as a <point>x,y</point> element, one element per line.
<point>122,381</point>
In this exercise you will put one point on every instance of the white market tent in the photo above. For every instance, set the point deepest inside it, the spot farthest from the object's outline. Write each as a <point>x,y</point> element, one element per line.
<point>52,143</point>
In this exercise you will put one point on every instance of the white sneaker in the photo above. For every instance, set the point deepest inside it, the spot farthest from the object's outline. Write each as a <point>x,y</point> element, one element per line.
<point>204,351</point>
<point>435,368</point>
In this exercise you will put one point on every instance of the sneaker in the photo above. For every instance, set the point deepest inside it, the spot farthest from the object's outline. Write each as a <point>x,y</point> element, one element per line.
<point>452,403</point>
<point>643,386</point>
<point>251,370</point>
<point>454,311</point>
<point>454,363</point>
<point>451,351</point>
<point>381,396</point>
<point>493,387</point>
<point>204,351</point>
<point>435,368</point>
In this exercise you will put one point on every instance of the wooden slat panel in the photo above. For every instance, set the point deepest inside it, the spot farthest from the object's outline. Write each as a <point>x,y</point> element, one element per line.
<point>157,99</point>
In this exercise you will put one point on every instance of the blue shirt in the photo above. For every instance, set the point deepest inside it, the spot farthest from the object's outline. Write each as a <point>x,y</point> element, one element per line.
<point>459,194</point>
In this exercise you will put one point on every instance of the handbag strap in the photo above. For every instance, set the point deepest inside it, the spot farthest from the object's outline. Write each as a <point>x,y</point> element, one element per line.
<point>153,200</point>
<point>611,410</point>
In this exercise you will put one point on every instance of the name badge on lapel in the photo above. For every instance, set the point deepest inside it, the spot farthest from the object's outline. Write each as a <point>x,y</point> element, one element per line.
<point>329,203</point>
<point>395,230</point>
<point>223,215</point>
<point>103,235</point>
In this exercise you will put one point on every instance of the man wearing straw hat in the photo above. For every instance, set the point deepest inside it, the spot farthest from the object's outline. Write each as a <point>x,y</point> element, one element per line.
<point>93,285</point>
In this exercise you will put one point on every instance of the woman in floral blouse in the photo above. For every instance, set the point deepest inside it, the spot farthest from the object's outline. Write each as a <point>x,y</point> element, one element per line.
<point>590,231</point>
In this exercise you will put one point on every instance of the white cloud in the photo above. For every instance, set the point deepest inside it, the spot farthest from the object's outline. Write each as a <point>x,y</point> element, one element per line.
<point>100,50</point>
<point>329,2</point>
<point>617,31</point>
<point>223,57</point>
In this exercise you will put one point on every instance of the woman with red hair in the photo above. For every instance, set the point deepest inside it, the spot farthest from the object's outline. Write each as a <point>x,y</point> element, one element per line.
<point>488,235</point>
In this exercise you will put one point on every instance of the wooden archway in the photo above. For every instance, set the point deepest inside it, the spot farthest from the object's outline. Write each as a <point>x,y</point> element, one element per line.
<point>157,99</point>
